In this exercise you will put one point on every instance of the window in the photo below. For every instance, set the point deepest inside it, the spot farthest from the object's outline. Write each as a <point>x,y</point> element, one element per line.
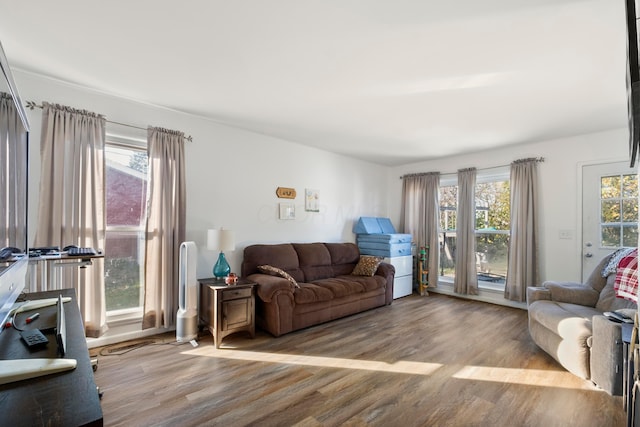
<point>126,193</point>
<point>493,216</point>
<point>619,211</point>
<point>492,195</point>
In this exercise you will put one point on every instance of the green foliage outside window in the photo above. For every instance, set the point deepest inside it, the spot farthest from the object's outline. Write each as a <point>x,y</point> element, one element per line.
<point>122,283</point>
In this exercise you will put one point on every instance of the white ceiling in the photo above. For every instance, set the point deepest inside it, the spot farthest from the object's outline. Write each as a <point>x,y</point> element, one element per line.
<point>387,81</point>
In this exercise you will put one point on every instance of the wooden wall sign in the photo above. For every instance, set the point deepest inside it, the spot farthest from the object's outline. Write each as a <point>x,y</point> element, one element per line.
<point>286,193</point>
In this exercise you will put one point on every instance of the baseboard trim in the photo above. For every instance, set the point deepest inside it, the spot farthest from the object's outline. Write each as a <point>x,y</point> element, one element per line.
<point>484,295</point>
<point>113,336</point>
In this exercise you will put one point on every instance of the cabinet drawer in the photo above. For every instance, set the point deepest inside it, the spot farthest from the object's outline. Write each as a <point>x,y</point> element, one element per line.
<point>230,294</point>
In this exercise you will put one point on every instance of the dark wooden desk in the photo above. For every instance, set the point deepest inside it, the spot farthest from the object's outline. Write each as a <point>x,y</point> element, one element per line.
<point>64,399</point>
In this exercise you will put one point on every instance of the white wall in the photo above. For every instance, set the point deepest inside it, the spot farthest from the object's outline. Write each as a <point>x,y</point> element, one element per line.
<point>232,175</point>
<point>560,189</point>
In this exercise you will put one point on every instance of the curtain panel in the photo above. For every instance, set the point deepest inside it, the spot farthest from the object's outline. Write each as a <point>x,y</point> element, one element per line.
<point>13,179</point>
<point>420,215</point>
<point>71,209</point>
<point>466,280</point>
<point>523,244</point>
<point>165,226</point>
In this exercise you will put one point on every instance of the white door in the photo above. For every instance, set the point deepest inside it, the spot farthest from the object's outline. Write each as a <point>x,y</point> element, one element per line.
<point>609,211</point>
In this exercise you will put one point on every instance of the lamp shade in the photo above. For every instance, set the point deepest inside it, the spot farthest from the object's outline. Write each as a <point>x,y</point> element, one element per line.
<point>227,240</point>
<point>221,240</point>
<point>213,240</point>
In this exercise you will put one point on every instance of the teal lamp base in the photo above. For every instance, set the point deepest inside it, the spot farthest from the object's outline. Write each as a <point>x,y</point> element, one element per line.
<point>222,268</point>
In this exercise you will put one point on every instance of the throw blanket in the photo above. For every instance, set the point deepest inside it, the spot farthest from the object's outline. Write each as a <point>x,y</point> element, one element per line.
<point>626,284</point>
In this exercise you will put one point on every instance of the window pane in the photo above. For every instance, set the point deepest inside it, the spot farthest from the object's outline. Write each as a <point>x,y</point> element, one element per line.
<point>630,186</point>
<point>448,204</point>
<point>630,235</point>
<point>610,236</point>
<point>491,257</point>
<point>126,186</point>
<point>610,187</point>
<point>630,210</point>
<point>122,269</point>
<point>493,204</point>
<point>610,211</point>
<point>447,254</point>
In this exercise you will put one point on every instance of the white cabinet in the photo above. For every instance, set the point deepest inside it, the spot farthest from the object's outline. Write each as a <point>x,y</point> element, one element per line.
<point>403,280</point>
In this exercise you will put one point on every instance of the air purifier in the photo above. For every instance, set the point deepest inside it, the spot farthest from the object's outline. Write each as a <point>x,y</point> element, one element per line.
<point>187,318</point>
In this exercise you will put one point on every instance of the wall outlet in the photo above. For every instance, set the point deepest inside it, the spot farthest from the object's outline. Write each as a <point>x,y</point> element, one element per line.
<point>565,234</point>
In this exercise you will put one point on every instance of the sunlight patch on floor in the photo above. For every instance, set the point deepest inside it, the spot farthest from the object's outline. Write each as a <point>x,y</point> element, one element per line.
<point>403,367</point>
<point>533,377</point>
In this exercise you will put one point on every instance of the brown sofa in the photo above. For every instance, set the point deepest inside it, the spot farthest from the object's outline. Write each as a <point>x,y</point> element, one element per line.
<point>566,320</point>
<point>327,289</point>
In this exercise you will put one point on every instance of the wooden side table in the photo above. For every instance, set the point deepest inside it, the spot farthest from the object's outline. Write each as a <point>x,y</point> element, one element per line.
<point>227,309</point>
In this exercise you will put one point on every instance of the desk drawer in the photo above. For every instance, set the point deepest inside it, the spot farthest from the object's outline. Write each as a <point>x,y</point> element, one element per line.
<point>231,294</point>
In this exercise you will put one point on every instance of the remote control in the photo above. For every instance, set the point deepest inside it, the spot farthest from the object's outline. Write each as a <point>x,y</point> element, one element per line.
<point>34,338</point>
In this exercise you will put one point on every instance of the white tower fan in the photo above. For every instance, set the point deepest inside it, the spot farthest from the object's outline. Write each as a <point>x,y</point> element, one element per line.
<point>187,318</point>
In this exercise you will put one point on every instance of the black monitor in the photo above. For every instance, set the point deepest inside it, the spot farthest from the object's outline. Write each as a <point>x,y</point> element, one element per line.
<point>633,80</point>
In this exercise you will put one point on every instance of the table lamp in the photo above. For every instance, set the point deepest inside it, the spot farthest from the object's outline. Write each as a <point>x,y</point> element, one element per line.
<point>221,240</point>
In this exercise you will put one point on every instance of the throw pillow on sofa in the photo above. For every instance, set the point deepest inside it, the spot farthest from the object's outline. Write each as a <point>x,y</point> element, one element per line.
<point>275,271</point>
<point>367,265</point>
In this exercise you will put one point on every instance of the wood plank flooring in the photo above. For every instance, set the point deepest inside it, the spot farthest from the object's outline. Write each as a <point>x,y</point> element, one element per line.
<point>423,361</point>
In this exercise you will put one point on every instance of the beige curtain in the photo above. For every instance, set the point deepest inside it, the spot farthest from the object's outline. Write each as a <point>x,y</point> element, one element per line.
<point>466,280</point>
<point>420,215</point>
<point>523,244</point>
<point>13,179</point>
<point>71,209</point>
<point>165,229</point>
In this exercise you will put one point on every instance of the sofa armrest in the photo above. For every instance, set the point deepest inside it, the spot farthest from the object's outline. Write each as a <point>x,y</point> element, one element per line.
<point>387,271</point>
<point>269,285</point>
<point>574,293</point>
<point>606,355</point>
<point>537,293</point>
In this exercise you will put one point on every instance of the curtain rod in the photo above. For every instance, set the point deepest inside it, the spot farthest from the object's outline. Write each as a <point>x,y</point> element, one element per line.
<point>31,105</point>
<point>536,159</point>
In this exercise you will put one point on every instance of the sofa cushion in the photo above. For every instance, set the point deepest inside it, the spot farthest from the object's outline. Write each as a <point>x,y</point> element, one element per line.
<point>315,261</point>
<point>275,271</point>
<point>341,286</point>
<point>344,257</point>
<point>337,287</point>
<point>367,265</point>
<point>283,256</point>
<point>311,293</point>
<point>608,300</point>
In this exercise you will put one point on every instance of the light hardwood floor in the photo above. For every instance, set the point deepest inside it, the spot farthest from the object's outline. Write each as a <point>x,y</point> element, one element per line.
<point>423,361</point>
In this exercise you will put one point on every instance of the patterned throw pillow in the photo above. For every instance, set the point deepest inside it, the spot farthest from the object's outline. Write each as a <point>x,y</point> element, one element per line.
<point>275,271</point>
<point>367,265</point>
